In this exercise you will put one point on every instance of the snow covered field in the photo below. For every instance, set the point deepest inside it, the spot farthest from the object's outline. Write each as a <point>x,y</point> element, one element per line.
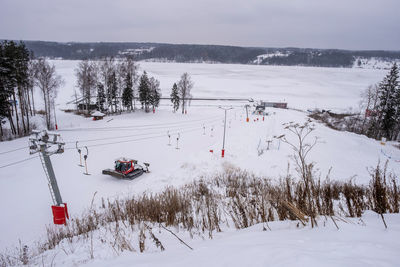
<point>284,245</point>
<point>25,200</point>
<point>301,87</point>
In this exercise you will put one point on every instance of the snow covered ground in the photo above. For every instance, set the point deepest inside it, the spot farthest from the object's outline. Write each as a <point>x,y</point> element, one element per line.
<point>284,245</point>
<point>25,200</point>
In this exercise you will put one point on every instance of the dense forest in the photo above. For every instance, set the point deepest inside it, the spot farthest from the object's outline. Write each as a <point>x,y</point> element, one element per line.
<point>206,53</point>
<point>323,58</point>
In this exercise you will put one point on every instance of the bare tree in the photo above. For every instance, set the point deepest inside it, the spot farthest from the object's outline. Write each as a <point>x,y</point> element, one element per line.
<point>30,87</point>
<point>106,69</point>
<point>48,81</point>
<point>86,74</point>
<point>185,86</point>
<point>369,103</point>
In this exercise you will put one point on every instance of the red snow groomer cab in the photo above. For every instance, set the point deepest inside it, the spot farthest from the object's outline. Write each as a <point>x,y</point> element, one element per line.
<point>127,169</point>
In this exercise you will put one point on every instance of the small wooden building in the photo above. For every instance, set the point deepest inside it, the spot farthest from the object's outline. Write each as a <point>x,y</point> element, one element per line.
<point>97,115</point>
<point>273,104</point>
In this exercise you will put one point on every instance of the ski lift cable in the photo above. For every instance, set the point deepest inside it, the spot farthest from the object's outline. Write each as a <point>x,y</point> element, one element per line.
<point>17,162</point>
<point>140,139</point>
<point>131,135</point>
<point>99,139</point>
<point>146,126</point>
<point>185,130</point>
<point>13,150</point>
<point>130,140</point>
<point>110,143</point>
<point>137,126</point>
<point>150,128</point>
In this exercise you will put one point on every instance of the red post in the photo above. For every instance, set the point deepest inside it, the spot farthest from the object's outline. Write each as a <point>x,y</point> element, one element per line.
<point>223,152</point>
<point>263,118</point>
<point>154,110</point>
<point>56,127</point>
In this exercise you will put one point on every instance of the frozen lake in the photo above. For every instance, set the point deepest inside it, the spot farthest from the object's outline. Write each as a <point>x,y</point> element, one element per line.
<point>302,87</point>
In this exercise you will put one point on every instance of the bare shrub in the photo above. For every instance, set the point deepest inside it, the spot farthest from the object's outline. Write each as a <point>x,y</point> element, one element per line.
<point>379,189</point>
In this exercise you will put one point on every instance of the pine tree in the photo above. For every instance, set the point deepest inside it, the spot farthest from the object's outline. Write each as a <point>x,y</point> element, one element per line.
<point>144,91</point>
<point>127,95</point>
<point>155,93</point>
<point>397,108</point>
<point>15,85</point>
<point>127,67</point>
<point>175,97</point>
<point>5,92</point>
<point>8,68</point>
<point>388,108</point>
<point>5,105</point>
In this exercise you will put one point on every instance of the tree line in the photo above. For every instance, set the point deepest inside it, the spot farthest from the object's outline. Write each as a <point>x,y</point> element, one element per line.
<point>20,74</point>
<point>115,85</point>
<point>382,105</point>
<point>181,92</point>
<point>324,58</point>
<point>380,111</point>
<point>208,53</point>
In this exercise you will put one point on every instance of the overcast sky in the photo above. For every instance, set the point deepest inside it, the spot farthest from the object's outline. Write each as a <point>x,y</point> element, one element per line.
<point>346,24</point>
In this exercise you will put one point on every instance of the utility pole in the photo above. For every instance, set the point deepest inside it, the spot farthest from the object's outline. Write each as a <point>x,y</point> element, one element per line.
<point>42,142</point>
<point>223,143</point>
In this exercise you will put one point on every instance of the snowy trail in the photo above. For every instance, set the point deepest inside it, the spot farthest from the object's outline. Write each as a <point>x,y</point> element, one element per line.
<point>28,190</point>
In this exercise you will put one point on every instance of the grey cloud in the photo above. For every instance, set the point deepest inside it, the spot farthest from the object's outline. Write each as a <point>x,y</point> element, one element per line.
<point>351,24</point>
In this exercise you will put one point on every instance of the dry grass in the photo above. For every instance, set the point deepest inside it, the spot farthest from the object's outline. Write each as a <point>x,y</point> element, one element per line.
<point>231,198</point>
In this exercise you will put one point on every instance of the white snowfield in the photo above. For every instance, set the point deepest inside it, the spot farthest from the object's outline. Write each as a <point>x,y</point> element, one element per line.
<point>25,200</point>
<point>358,242</point>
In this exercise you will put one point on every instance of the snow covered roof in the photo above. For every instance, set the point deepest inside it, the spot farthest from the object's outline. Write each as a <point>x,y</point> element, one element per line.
<point>124,159</point>
<point>98,114</point>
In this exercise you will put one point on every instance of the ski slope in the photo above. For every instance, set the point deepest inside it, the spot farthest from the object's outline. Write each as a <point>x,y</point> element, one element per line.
<point>24,197</point>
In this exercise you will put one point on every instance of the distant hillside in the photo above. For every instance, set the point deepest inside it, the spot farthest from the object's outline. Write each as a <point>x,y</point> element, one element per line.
<point>216,54</point>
